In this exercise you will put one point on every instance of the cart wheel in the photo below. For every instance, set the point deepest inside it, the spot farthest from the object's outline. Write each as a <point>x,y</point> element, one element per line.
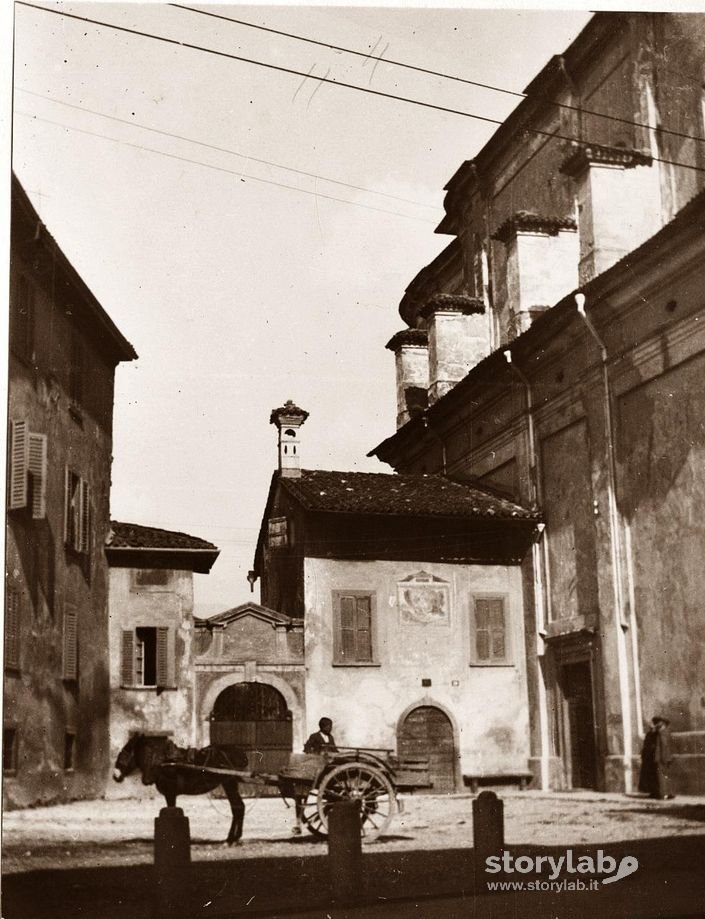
<point>311,816</point>
<point>363,783</point>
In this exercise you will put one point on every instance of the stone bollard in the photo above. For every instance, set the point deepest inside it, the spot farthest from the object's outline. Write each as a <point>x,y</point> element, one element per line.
<point>487,831</point>
<point>345,852</point>
<point>172,863</point>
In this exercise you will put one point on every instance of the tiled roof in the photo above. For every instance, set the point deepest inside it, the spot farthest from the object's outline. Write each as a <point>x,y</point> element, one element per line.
<point>409,495</point>
<point>134,536</point>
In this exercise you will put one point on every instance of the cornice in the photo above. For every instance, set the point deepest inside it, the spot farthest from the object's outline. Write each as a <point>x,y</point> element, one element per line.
<point>580,156</point>
<point>525,221</point>
<point>452,303</point>
<point>417,338</point>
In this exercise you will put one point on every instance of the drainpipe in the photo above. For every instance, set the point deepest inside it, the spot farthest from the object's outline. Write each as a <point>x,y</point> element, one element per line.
<point>537,562</point>
<point>427,426</point>
<point>620,619</point>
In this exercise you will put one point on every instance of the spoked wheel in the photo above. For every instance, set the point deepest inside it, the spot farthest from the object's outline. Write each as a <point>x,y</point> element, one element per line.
<point>311,817</point>
<point>363,783</point>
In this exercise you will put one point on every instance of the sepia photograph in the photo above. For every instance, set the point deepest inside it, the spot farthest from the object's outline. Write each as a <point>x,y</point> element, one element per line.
<point>355,461</point>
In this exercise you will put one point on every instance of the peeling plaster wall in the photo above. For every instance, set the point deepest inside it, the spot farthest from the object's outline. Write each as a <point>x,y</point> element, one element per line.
<point>168,711</point>
<point>488,705</point>
<point>38,703</point>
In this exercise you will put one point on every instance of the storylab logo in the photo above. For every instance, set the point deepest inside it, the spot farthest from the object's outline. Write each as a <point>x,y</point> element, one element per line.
<point>559,872</point>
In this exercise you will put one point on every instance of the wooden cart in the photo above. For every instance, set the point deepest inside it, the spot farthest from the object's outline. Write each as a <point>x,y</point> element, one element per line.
<point>371,776</point>
<point>374,777</point>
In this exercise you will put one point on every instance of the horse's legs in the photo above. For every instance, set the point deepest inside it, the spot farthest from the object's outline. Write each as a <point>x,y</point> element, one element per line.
<point>237,807</point>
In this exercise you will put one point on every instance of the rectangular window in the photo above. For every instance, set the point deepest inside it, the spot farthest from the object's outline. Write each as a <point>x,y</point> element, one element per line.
<point>146,657</point>
<point>69,750</point>
<point>9,751</point>
<point>70,644</point>
<point>489,631</point>
<point>23,322</point>
<point>18,463</point>
<point>353,613</point>
<point>27,478</point>
<point>37,465</point>
<point>12,628</point>
<point>77,513</point>
<point>277,532</point>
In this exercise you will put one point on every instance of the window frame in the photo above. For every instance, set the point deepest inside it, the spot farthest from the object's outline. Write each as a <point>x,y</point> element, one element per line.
<point>12,638</point>
<point>338,659</point>
<point>508,658</point>
<point>69,750</point>
<point>164,657</point>
<point>78,513</point>
<point>11,769</point>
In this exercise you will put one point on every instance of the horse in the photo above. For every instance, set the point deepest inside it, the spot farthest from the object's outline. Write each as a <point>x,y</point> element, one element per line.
<point>149,754</point>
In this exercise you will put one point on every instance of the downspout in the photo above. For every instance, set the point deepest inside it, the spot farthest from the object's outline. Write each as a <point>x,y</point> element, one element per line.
<point>427,426</point>
<point>620,619</point>
<point>537,563</point>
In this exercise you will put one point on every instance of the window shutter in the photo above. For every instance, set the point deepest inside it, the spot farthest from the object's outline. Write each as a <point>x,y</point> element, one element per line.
<point>497,630</point>
<point>67,505</point>
<point>127,668</point>
<point>482,630</point>
<point>162,656</point>
<point>19,450</point>
<point>12,629</point>
<point>347,628</point>
<point>37,464</point>
<point>363,629</point>
<point>70,644</point>
<point>84,517</point>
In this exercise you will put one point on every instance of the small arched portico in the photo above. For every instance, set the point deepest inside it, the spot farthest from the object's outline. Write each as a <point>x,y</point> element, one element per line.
<point>427,729</point>
<point>222,683</point>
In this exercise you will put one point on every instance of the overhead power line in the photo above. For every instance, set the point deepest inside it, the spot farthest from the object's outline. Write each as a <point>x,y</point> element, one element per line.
<point>235,172</point>
<point>247,156</point>
<point>435,73</point>
<point>321,79</point>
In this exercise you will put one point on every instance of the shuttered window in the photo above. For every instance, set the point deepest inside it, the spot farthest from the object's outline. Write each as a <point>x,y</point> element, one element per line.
<point>489,631</point>
<point>146,657</point>
<point>37,464</point>
<point>78,514</point>
<point>277,535</point>
<point>353,624</point>
<point>19,457</point>
<point>12,628</point>
<point>70,644</point>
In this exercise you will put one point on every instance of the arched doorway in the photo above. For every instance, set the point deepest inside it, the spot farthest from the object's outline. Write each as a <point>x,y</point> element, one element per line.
<point>253,717</point>
<point>427,732</point>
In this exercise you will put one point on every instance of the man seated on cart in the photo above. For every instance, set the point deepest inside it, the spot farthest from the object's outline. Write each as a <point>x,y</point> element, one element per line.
<point>321,741</point>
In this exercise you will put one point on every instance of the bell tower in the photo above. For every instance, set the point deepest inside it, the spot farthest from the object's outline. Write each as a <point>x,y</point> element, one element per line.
<point>288,419</point>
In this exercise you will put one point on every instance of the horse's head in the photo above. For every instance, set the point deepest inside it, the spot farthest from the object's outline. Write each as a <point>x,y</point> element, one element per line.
<point>126,761</point>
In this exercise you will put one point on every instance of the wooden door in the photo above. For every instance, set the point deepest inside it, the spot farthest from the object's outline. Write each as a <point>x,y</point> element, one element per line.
<point>254,718</point>
<point>427,732</point>
<point>579,725</point>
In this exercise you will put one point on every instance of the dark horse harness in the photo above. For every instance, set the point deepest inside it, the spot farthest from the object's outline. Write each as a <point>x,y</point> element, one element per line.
<point>158,759</point>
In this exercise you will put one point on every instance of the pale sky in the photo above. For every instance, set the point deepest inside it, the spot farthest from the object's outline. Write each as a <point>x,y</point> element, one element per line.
<point>239,293</point>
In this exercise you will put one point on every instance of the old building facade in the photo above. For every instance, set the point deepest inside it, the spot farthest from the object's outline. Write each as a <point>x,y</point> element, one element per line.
<point>590,406</point>
<point>63,353</point>
<point>250,684</point>
<point>152,631</point>
<point>410,595</point>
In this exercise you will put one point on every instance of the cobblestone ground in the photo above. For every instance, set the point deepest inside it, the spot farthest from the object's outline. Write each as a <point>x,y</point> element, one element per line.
<point>119,832</point>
